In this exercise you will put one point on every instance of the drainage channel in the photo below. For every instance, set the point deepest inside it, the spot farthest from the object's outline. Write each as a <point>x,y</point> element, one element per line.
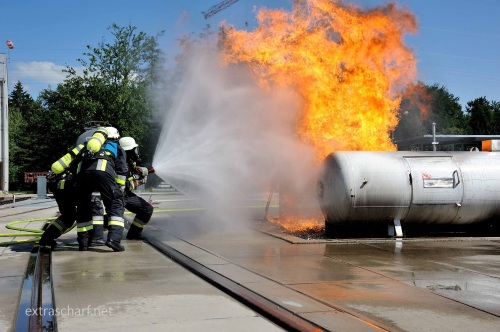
<point>270,310</point>
<point>36,306</point>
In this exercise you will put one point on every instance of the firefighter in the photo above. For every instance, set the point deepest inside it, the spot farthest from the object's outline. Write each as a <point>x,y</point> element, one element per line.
<point>98,218</point>
<point>61,183</point>
<point>103,168</point>
<point>97,210</point>
<point>135,177</point>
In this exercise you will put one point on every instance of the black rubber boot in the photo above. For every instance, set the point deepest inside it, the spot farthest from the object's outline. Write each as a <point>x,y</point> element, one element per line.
<point>135,233</point>
<point>48,246</point>
<point>115,245</point>
<point>49,236</point>
<point>83,239</point>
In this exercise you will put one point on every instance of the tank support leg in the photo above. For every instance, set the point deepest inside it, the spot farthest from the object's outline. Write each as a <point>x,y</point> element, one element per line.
<point>398,228</point>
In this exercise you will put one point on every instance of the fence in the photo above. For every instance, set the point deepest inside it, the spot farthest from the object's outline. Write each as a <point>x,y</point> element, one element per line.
<point>31,177</point>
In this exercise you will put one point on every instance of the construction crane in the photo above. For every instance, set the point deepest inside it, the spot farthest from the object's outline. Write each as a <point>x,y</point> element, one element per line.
<point>217,8</point>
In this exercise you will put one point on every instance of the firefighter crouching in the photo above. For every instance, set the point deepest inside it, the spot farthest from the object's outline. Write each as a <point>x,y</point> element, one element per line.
<point>135,177</point>
<point>60,181</point>
<point>103,169</point>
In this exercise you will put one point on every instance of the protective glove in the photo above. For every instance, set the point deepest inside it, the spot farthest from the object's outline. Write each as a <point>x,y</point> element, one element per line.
<point>122,188</point>
<point>50,176</point>
<point>142,171</point>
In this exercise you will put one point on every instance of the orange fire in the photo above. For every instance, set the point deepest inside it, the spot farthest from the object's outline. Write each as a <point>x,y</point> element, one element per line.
<point>348,64</point>
<point>294,224</point>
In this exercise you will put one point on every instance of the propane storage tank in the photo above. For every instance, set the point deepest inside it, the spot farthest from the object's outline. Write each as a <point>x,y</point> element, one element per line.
<point>425,187</point>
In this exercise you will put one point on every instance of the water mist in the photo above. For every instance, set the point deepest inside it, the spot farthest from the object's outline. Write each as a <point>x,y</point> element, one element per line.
<point>225,139</point>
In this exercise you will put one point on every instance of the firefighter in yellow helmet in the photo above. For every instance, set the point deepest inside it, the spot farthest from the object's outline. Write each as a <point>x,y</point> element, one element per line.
<point>103,169</point>
<point>135,204</point>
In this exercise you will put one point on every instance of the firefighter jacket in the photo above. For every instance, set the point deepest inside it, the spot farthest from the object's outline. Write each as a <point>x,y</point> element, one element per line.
<point>110,158</point>
<point>64,169</point>
<point>68,160</point>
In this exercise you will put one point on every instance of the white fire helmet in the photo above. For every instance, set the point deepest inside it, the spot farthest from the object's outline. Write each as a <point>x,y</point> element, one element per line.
<point>113,133</point>
<point>127,143</point>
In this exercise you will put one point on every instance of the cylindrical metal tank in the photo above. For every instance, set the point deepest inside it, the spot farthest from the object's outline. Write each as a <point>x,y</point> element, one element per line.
<point>415,187</point>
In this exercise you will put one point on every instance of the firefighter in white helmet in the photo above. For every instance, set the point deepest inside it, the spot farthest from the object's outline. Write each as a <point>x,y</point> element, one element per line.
<point>97,238</point>
<point>103,169</point>
<point>135,177</point>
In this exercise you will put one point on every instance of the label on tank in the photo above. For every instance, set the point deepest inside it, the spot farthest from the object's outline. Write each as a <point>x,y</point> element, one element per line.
<point>435,180</point>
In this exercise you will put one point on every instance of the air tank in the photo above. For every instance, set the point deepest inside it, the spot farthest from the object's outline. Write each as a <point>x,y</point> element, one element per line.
<point>460,187</point>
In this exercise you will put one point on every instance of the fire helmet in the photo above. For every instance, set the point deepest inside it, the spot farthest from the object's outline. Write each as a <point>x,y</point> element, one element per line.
<point>128,143</point>
<point>113,133</point>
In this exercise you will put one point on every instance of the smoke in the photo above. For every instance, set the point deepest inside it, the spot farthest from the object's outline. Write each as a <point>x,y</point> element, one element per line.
<point>225,139</point>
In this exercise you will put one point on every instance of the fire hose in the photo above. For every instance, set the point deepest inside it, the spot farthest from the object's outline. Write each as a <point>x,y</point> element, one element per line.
<point>35,234</point>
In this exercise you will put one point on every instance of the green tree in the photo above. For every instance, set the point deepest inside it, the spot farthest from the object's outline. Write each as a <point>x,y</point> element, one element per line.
<point>480,112</point>
<point>116,87</point>
<point>130,69</point>
<point>496,117</point>
<point>75,102</point>
<point>422,105</point>
<point>27,132</point>
<point>446,112</point>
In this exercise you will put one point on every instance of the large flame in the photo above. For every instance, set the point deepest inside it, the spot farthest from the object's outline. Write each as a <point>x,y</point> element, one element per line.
<point>348,64</point>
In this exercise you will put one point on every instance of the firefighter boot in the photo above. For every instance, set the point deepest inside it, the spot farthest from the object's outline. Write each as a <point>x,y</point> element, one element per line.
<point>47,241</point>
<point>83,239</point>
<point>97,236</point>
<point>135,233</point>
<point>115,245</point>
<point>115,233</point>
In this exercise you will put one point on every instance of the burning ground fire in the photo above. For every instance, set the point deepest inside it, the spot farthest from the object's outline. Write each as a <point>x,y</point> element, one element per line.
<point>293,224</point>
<point>349,65</point>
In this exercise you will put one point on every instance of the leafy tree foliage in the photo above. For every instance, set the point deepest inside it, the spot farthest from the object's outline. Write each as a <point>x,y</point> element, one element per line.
<point>481,116</point>
<point>115,88</point>
<point>128,70</point>
<point>423,105</point>
<point>27,130</point>
<point>446,112</point>
<point>495,119</point>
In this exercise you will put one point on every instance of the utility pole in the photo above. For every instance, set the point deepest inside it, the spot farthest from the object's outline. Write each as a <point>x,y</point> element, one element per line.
<point>434,143</point>
<point>4,125</point>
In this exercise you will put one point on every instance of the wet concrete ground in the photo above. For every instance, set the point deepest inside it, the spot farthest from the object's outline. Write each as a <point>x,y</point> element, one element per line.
<point>14,259</point>
<point>409,285</point>
<point>356,285</point>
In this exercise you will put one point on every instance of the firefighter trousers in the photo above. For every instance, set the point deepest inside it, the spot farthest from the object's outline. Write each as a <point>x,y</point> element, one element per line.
<point>89,181</point>
<point>66,202</point>
<point>142,210</point>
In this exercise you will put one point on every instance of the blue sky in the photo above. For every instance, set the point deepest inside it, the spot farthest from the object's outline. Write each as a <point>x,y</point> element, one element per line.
<point>457,45</point>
